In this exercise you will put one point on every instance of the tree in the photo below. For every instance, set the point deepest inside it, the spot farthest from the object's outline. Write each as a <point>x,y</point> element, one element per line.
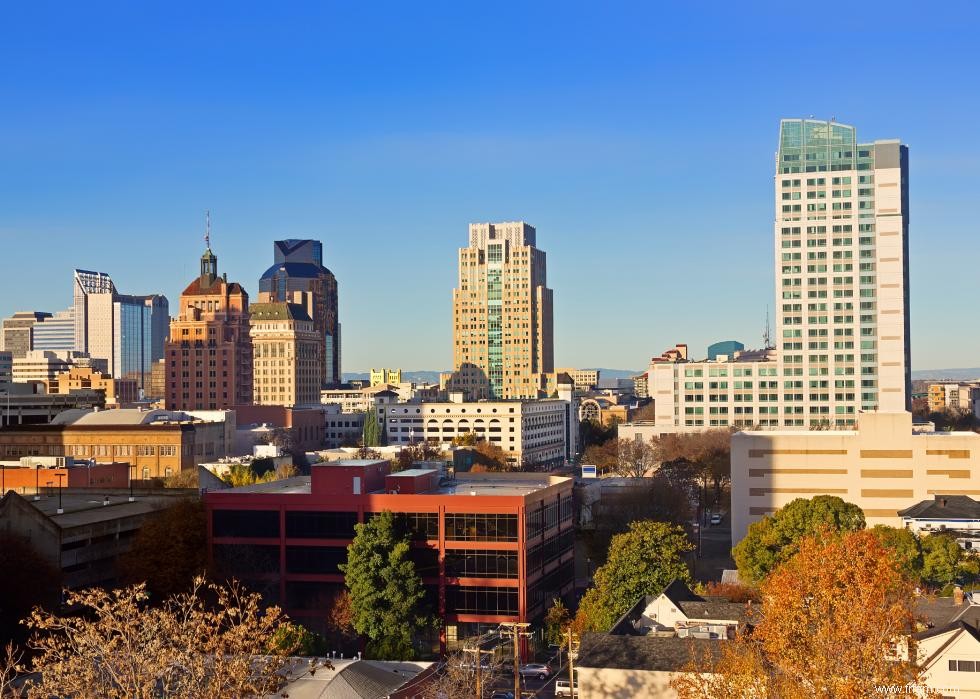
<point>905,546</point>
<point>29,580</point>
<point>830,618</point>
<point>212,641</point>
<point>169,550</point>
<point>708,452</point>
<point>642,561</point>
<point>185,478</point>
<point>591,432</point>
<point>940,558</point>
<point>492,456</point>
<point>387,595</point>
<point>457,677</point>
<point>635,458</point>
<point>296,639</point>
<point>556,620</point>
<point>371,436</point>
<point>774,539</point>
<point>406,456</point>
<point>604,456</point>
<point>341,633</point>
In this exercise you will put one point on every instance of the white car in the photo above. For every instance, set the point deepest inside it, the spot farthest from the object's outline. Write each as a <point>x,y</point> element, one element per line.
<point>564,689</point>
<point>715,519</point>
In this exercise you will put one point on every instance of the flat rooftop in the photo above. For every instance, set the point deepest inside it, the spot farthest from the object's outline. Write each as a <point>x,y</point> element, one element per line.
<point>465,484</point>
<point>87,506</point>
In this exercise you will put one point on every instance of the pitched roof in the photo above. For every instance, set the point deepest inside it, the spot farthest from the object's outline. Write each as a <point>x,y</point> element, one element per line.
<point>677,591</point>
<point>367,679</point>
<point>278,311</point>
<point>940,630</point>
<point>651,653</point>
<point>944,507</point>
<point>940,612</point>
<point>715,610</point>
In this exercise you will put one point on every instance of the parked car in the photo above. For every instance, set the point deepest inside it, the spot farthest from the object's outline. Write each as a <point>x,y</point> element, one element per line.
<point>538,670</point>
<point>502,695</point>
<point>716,518</point>
<point>563,688</point>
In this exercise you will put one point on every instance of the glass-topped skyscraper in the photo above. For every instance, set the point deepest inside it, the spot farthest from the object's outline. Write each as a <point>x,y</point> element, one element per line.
<point>298,267</point>
<point>842,273</point>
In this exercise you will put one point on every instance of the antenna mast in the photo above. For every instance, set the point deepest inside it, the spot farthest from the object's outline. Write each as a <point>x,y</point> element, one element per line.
<point>207,229</point>
<point>767,334</point>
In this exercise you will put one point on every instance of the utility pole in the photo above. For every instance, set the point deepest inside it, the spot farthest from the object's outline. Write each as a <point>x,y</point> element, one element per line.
<point>516,630</point>
<point>479,666</point>
<point>573,644</point>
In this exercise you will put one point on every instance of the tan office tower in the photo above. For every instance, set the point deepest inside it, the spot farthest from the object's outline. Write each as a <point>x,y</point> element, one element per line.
<point>209,353</point>
<point>287,351</point>
<point>502,314</point>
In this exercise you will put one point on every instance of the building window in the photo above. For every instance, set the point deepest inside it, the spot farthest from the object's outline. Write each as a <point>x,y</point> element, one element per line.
<point>482,527</point>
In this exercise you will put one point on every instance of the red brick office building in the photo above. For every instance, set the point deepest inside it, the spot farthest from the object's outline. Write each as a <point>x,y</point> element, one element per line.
<point>490,547</point>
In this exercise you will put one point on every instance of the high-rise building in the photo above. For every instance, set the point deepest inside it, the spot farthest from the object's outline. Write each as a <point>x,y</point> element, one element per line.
<point>17,336</point>
<point>209,352</point>
<point>502,314</point>
<point>298,266</point>
<point>56,333</point>
<point>842,292</point>
<point>287,353</point>
<point>842,275</point>
<point>127,331</point>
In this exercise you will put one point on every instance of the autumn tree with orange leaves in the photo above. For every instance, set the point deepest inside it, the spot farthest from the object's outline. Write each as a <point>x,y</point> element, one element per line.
<point>832,625</point>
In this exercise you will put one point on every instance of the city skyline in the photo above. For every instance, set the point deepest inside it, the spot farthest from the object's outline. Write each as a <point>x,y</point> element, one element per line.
<point>604,154</point>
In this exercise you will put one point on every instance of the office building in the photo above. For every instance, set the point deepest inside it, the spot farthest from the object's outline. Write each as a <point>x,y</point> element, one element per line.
<point>531,432</point>
<point>43,366</point>
<point>17,332</point>
<point>298,266</point>
<point>842,290</point>
<point>955,397</point>
<point>118,392</point>
<point>502,314</point>
<point>385,376</point>
<point>56,333</point>
<point>584,379</point>
<point>882,466</point>
<point>127,331</point>
<point>490,547</point>
<point>209,353</point>
<point>6,370</point>
<point>727,347</point>
<point>96,526</point>
<point>286,351</point>
<point>157,443</point>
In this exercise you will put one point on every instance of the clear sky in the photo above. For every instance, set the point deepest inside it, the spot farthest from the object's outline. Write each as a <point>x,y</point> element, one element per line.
<point>637,137</point>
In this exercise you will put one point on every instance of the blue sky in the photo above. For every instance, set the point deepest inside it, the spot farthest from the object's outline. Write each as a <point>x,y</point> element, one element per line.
<point>637,137</point>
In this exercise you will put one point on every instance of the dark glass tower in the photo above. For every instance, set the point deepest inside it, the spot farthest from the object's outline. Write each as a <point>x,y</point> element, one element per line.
<point>299,267</point>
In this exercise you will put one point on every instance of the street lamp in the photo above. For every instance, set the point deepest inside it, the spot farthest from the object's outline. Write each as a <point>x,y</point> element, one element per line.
<point>59,476</point>
<point>37,481</point>
<point>132,474</point>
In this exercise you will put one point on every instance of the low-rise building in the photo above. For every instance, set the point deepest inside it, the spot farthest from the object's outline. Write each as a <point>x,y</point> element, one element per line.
<point>344,429</point>
<point>960,397</point>
<point>156,443</point>
<point>304,425</point>
<point>28,404</point>
<point>92,530</point>
<point>490,548</point>
<point>44,366</point>
<point>956,515</point>
<point>118,392</point>
<point>883,467</point>
<point>949,648</point>
<point>532,432</point>
<point>585,379</point>
<point>31,475</point>
<point>652,643</point>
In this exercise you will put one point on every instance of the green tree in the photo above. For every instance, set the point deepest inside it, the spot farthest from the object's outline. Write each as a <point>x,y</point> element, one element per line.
<point>387,596</point>
<point>642,561</point>
<point>372,430</point>
<point>295,639</point>
<point>556,620</point>
<point>169,550</point>
<point>775,538</point>
<point>940,558</point>
<point>905,546</point>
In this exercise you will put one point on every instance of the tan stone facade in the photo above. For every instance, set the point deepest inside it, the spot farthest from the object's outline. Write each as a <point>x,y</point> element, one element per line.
<point>286,354</point>
<point>502,314</point>
<point>118,392</point>
<point>882,467</point>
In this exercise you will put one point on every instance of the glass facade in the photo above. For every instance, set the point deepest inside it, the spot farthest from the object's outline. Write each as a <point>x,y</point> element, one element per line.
<point>467,527</point>
<point>56,333</point>
<point>141,326</point>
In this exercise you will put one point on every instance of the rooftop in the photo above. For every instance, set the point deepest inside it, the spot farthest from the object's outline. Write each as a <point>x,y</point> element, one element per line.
<point>944,507</point>
<point>651,653</point>
<point>87,506</point>
<point>349,678</point>
<point>124,416</point>
<point>940,612</point>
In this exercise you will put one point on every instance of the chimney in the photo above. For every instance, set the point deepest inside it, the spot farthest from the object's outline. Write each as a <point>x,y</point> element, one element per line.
<point>957,596</point>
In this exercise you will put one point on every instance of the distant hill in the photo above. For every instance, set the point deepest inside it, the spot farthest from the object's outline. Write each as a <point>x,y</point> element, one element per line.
<point>423,376</point>
<point>947,374</point>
